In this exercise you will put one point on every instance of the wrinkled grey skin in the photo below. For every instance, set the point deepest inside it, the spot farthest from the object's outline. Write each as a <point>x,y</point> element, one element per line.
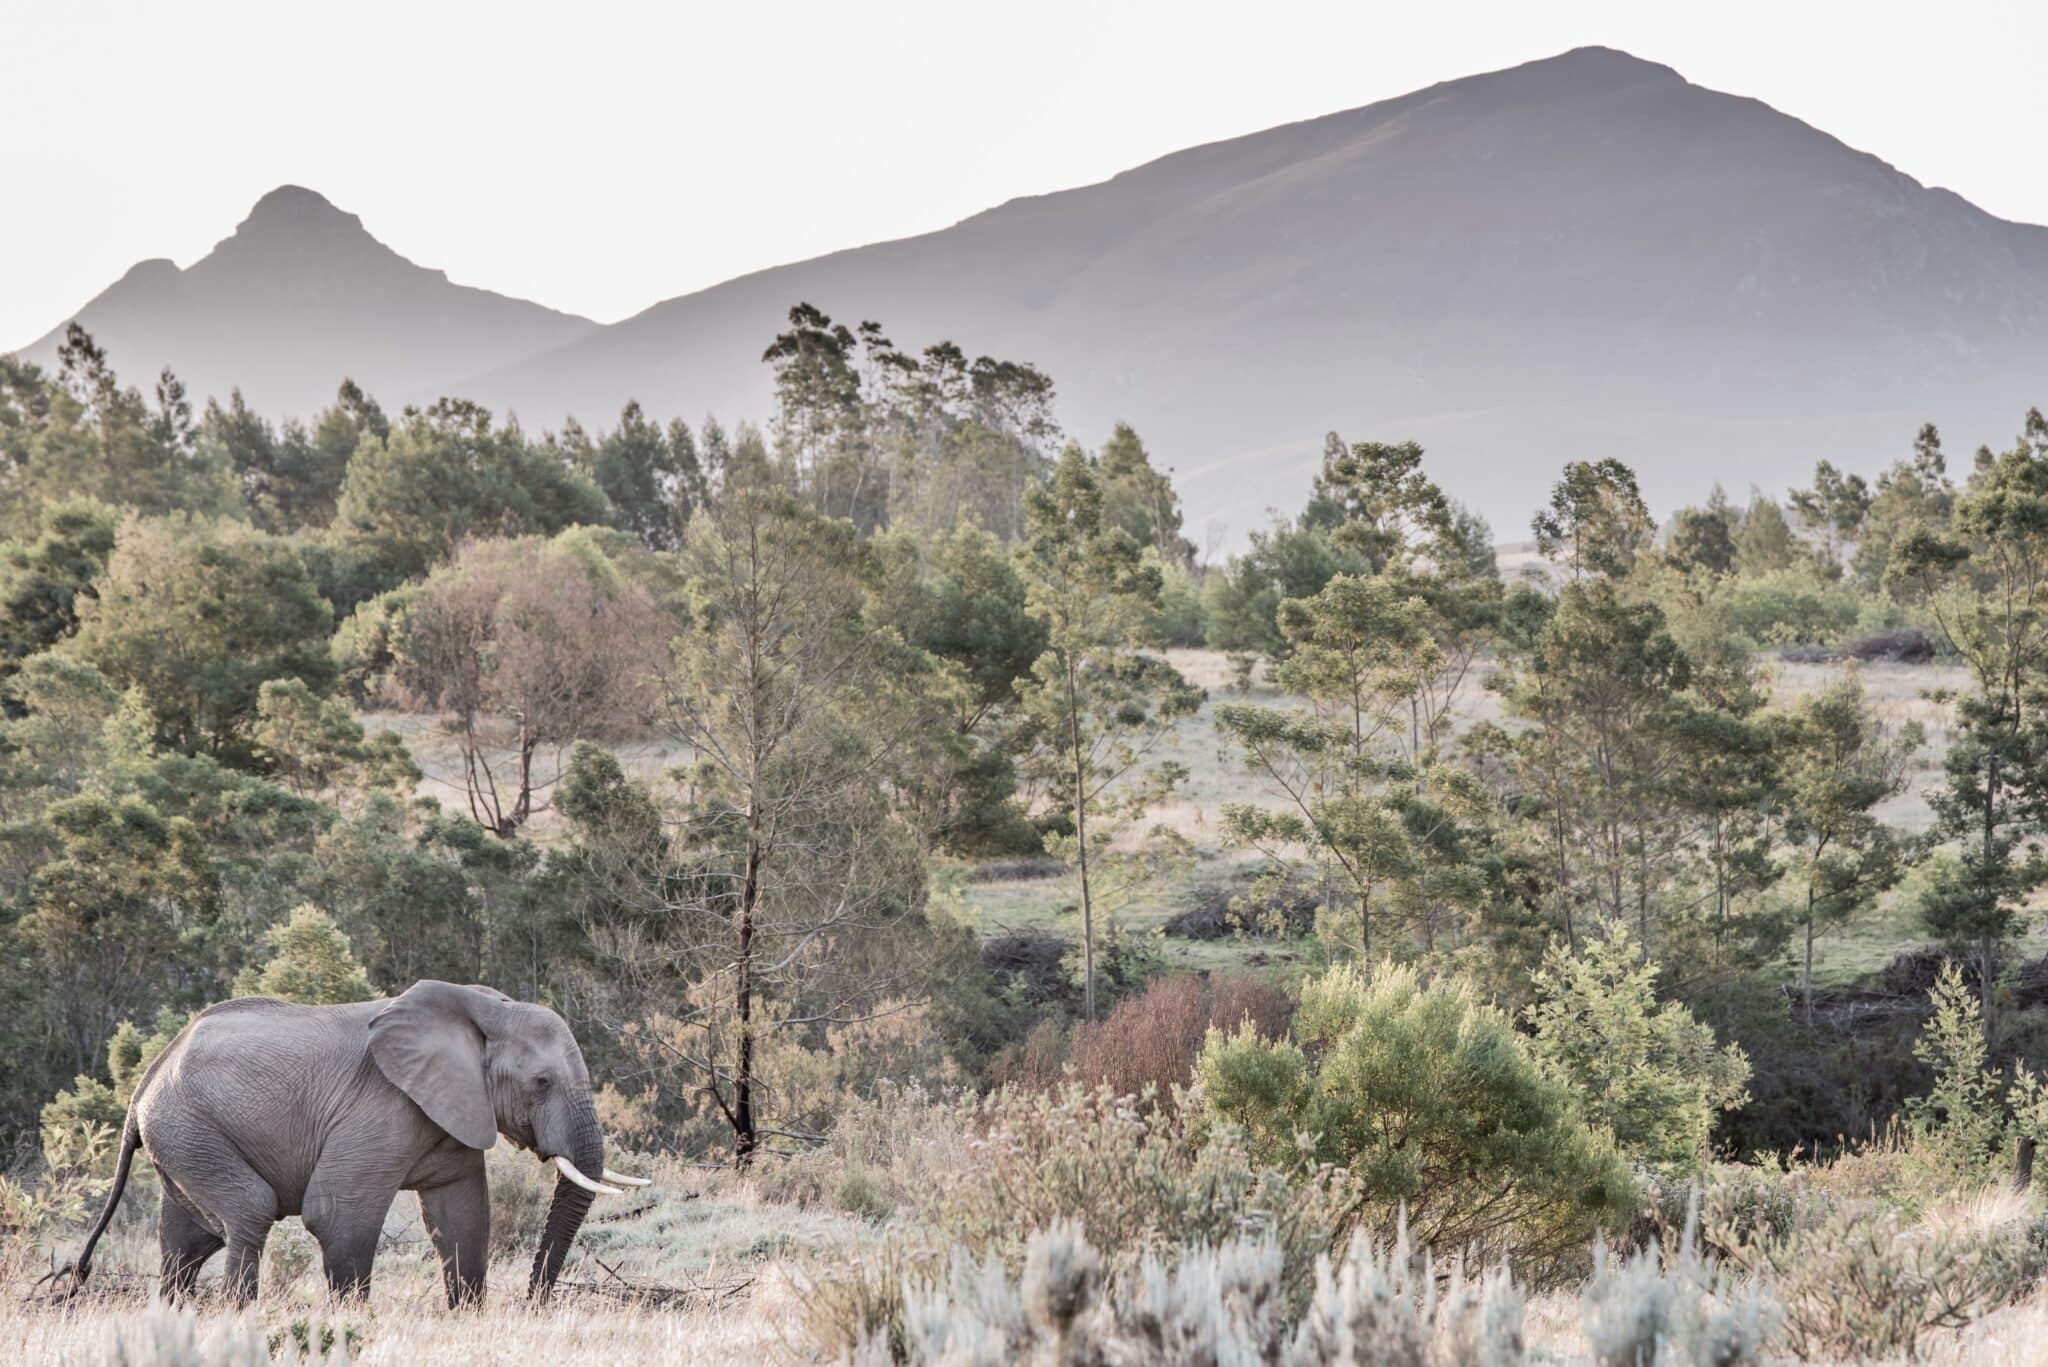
<point>263,1109</point>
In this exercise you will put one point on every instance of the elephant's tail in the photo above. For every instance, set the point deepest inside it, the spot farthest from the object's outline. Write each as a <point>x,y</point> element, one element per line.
<point>131,1140</point>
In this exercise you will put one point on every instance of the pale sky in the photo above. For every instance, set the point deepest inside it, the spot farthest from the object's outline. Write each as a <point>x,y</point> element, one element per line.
<point>599,157</point>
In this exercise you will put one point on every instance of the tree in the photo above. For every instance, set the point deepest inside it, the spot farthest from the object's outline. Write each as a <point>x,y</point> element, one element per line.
<point>1833,510</point>
<point>869,432</point>
<point>1961,1121</point>
<point>1645,1071</point>
<point>310,962</point>
<point>650,475</point>
<point>1704,538</point>
<point>1141,499</point>
<point>1597,522</point>
<point>1391,520</point>
<point>110,916</point>
<point>1288,560</point>
<point>1765,541</point>
<point>88,436</point>
<point>447,473</point>
<point>1837,763</point>
<point>821,414</point>
<point>1986,583</point>
<point>1915,494</point>
<point>1100,704</point>
<point>199,615</point>
<point>1599,695</point>
<point>1724,770</point>
<point>780,882</point>
<point>526,646</point>
<point>1435,1104</point>
<point>289,479</point>
<point>1374,501</point>
<point>1357,652</point>
<point>314,746</point>
<point>42,579</point>
<point>961,599</point>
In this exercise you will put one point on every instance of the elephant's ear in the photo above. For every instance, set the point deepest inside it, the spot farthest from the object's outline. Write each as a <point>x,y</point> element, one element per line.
<point>429,1043</point>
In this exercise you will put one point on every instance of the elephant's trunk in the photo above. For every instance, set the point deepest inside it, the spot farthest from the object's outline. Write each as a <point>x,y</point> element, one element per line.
<point>571,1204</point>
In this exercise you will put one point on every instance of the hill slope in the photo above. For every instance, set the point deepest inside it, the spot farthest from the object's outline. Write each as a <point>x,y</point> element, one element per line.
<point>299,297</point>
<point>1583,255</point>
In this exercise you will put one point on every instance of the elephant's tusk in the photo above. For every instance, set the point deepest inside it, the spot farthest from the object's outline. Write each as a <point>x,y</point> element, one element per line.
<point>574,1174</point>
<point>626,1181</point>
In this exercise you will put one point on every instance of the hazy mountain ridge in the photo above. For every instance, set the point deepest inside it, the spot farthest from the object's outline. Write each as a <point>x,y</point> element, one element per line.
<point>299,296</point>
<point>1582,252</point>
<point>1586,255</point>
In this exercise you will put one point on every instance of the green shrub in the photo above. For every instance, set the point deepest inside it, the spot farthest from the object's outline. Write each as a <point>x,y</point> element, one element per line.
<point>860,1193</point>
<point>1961,1122</point>
<point>1645,1070</point>
<point>310,962</point>
<point>520,1191</point>
<point>90,1106</point>
<point>1434,1104</point>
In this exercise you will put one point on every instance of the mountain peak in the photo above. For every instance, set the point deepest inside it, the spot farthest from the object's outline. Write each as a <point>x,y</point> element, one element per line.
<point>1587,66</point>
<point>293,199</point>
<point>293,211</point>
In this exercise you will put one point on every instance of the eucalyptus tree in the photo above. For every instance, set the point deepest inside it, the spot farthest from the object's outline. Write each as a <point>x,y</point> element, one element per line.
<point>1833,510</point>
<point>1597,523</point>
<point>1100,704</point>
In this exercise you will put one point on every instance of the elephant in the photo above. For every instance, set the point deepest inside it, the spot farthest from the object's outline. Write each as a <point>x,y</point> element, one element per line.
<point>262,1108</point>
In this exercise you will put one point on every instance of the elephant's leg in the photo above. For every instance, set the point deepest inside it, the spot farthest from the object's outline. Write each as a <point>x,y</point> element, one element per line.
<point>186,1244</point>
<point>458,1215</point>
<point>245,1260</point>
<point>347,1222</point>
<point>240,1207</point>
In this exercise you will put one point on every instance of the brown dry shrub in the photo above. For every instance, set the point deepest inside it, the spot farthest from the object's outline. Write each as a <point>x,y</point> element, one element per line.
<point>1148,1042</point>
<point>1151,1041</point>
<point>1034,1065</point>
<point>1238,997</point>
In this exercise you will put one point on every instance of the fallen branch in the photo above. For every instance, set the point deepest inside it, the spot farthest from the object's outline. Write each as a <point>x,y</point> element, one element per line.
<point>660,1296</point>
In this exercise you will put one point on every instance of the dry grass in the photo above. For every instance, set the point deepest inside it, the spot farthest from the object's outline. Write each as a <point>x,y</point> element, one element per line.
<point>404,1324</point>
<point>699,1231</point>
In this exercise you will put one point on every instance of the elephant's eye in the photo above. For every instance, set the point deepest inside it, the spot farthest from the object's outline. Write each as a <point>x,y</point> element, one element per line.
<point>541,1082</point>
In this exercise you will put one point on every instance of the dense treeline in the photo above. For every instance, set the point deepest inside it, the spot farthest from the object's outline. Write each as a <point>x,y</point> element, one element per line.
<point>1556,812</point>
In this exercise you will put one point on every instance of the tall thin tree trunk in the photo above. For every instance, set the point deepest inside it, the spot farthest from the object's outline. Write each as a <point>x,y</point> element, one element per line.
<point>1081,838</point>
<point>1806,974</point>
<point>744,1137</point>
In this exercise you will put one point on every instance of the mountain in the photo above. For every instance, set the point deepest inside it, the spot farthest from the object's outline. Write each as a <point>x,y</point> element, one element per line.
<point>1578,257</point>
<point>1582,256</point>
<point>298,298</point>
